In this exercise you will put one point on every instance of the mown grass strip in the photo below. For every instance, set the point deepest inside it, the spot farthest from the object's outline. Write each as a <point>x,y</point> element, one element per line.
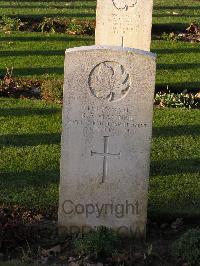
<point>33,55</point>
<point>168,14</point>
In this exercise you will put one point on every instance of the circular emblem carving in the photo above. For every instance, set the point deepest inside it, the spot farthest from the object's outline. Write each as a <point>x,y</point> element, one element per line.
<point>124,4</point>
<point>109,81</point>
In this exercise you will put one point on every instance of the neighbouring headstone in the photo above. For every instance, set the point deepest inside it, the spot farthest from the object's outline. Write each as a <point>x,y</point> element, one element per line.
<point>124,22</point>
<point>107,126</point>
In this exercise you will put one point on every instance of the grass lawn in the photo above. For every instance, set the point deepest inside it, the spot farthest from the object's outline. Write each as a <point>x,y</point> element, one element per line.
<point>30,152</point>
<point>170,14</point>
<point>37,9</point>
<point>30,130</point>
<point>36,54</point>
<point>175,14</point>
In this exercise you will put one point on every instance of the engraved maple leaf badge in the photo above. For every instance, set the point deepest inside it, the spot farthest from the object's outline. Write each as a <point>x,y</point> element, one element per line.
<point>124,4</point>
<point>109,81</point>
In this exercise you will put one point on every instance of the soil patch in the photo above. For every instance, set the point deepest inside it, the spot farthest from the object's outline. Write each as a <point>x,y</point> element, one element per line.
<point>31,235</point>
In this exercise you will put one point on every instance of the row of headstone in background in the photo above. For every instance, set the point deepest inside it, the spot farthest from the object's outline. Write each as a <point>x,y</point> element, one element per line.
<point>107,124</point>
<point>125,23</point>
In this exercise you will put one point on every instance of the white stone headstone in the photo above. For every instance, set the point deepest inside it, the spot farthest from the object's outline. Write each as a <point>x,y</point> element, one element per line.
<point>106,138</point>
<point>124,22</point>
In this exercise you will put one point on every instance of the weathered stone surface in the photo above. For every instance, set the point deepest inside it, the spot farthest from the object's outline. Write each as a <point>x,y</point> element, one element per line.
<point>107,125</point>
<point>124,22</point>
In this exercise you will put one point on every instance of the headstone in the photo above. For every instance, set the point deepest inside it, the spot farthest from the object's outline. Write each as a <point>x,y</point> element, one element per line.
<point>106,138</point>
<point>124,22</point>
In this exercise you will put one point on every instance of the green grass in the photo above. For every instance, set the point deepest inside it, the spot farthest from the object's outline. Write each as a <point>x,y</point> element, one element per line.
<point>30,152</point>
<point>35,54</point>
<point>30,130</point>
<point>185,11</point>
<point>175,163</point>
<point>175,14</point>
<point>33,9</point>
<point>177,64</point>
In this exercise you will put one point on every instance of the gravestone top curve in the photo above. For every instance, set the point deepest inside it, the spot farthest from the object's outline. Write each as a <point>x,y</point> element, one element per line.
<point>109,47</point>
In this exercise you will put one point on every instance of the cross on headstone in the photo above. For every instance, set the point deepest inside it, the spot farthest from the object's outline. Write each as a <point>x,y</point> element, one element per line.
<point>123,41</point>
<point>105,154</point>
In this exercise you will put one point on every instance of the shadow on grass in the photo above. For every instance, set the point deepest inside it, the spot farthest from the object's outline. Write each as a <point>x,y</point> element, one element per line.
<point>67,7</point>
<point>75,15</point>
<point>178,87</point>
<point>182,130</point>
<point>173,167</point>
<point>37,71</point>
<point>62,52</point>
<point>177,51</point>
<point>60,70</point>
<point>21,111</point>
<point>48,38</point>
<point>30,139</point>
<point>174,16</point>
<point>168,27</point>
<point>176,66</point>
<point>48,176</point>
<point>176,7</point>
<point>42,177</point>
<point>29,53</point>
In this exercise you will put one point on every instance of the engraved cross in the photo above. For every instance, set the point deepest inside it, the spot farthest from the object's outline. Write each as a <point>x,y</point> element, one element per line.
<point>105,154</point>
